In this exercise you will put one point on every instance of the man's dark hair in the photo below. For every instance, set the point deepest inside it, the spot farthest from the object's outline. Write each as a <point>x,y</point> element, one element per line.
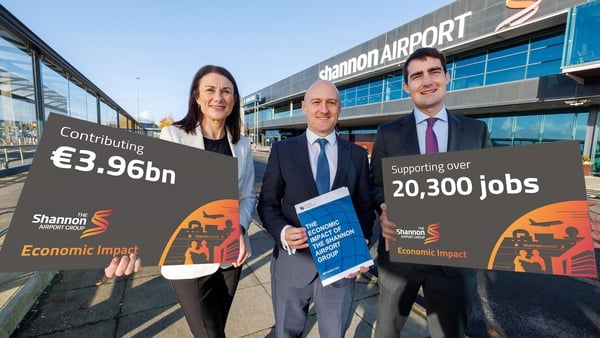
<point>422,54</point>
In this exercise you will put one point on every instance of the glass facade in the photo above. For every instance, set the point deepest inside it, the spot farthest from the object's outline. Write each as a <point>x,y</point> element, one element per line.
<point>582,45</point>
<point>539,55</point>
<point>530,129</point>
<point>18,122</point>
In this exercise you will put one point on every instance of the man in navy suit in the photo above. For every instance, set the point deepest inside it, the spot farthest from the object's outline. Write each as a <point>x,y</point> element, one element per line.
<point>448,291</point>
<point>290,179</point>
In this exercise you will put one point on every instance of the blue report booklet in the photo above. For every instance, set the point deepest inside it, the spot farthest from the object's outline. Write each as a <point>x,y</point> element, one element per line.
<point>335,237</point>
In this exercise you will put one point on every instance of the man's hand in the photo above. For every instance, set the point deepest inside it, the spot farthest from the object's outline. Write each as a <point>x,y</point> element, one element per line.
<point>353,275</point>
<point>361,269</point>
<point>296,238</point>
<point>388,228</point>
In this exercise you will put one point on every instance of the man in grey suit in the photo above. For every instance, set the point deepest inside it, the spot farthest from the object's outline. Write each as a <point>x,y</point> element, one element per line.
<point>448,291</point>
<point>290,179</point>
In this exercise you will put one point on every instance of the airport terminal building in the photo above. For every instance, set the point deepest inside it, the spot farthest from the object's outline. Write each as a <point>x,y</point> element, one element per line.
<point>529,69</point>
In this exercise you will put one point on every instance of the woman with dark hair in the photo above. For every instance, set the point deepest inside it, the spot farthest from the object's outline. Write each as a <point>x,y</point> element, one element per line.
<point>212,123</point>
<point>196,117</point>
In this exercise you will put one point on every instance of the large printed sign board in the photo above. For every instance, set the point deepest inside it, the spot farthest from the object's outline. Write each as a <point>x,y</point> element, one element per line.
<point>518,209</point>
<point>94,192</point>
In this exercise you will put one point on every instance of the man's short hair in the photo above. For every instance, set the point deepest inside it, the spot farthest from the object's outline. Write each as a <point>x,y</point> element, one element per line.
<point>422,54</point>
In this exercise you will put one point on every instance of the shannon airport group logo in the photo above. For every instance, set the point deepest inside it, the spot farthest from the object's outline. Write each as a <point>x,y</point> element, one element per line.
<point>428,234</point>
<point>79,222</point>
<point>432,231</point>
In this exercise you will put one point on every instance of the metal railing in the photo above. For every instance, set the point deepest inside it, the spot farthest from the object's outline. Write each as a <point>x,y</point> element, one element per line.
<point>16,154</point>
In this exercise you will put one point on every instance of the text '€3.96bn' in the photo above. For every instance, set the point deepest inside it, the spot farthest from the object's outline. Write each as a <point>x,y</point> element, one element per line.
<point>69,158</point>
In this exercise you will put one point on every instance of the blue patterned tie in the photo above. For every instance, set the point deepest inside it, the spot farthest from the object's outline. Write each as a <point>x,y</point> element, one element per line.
<point>322,169</point>
<point>431,144</point>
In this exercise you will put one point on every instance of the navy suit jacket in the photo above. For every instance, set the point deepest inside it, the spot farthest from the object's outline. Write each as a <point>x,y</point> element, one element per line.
<point>399,138</point>
<point>288,180</point>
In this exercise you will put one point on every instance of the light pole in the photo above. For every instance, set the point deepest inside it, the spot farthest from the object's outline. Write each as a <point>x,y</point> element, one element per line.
<point>256,123</point>
<point>137,94</point>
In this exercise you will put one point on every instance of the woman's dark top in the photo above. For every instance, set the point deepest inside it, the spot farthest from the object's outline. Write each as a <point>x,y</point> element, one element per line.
<point>218,146</point>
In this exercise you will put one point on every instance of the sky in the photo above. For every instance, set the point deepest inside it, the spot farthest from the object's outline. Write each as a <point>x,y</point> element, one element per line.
<point>144,53</point>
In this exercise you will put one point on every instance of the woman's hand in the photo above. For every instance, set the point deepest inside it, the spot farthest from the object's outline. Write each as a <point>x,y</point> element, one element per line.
<point>243,251</point>
<point>123,266</point>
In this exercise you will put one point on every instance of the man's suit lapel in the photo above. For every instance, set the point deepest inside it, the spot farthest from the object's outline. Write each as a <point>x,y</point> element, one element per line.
<point>408,135</point>
<point>302,161</point>
<point>455,128</point>
<point>343,163</point>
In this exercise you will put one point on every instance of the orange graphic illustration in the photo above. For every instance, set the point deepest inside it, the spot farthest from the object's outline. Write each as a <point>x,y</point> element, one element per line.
<point>519,260</point>
<point>193,250</point>
<point>525,263</point>
<point>100,221</point>
<point>537,261</point>
<point>548,240</point>
<point>434,235</point>
<point>528,9</point>
<point>210,234</point>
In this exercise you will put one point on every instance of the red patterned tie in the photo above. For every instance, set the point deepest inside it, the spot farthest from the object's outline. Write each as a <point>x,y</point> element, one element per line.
<point>431,145</point>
